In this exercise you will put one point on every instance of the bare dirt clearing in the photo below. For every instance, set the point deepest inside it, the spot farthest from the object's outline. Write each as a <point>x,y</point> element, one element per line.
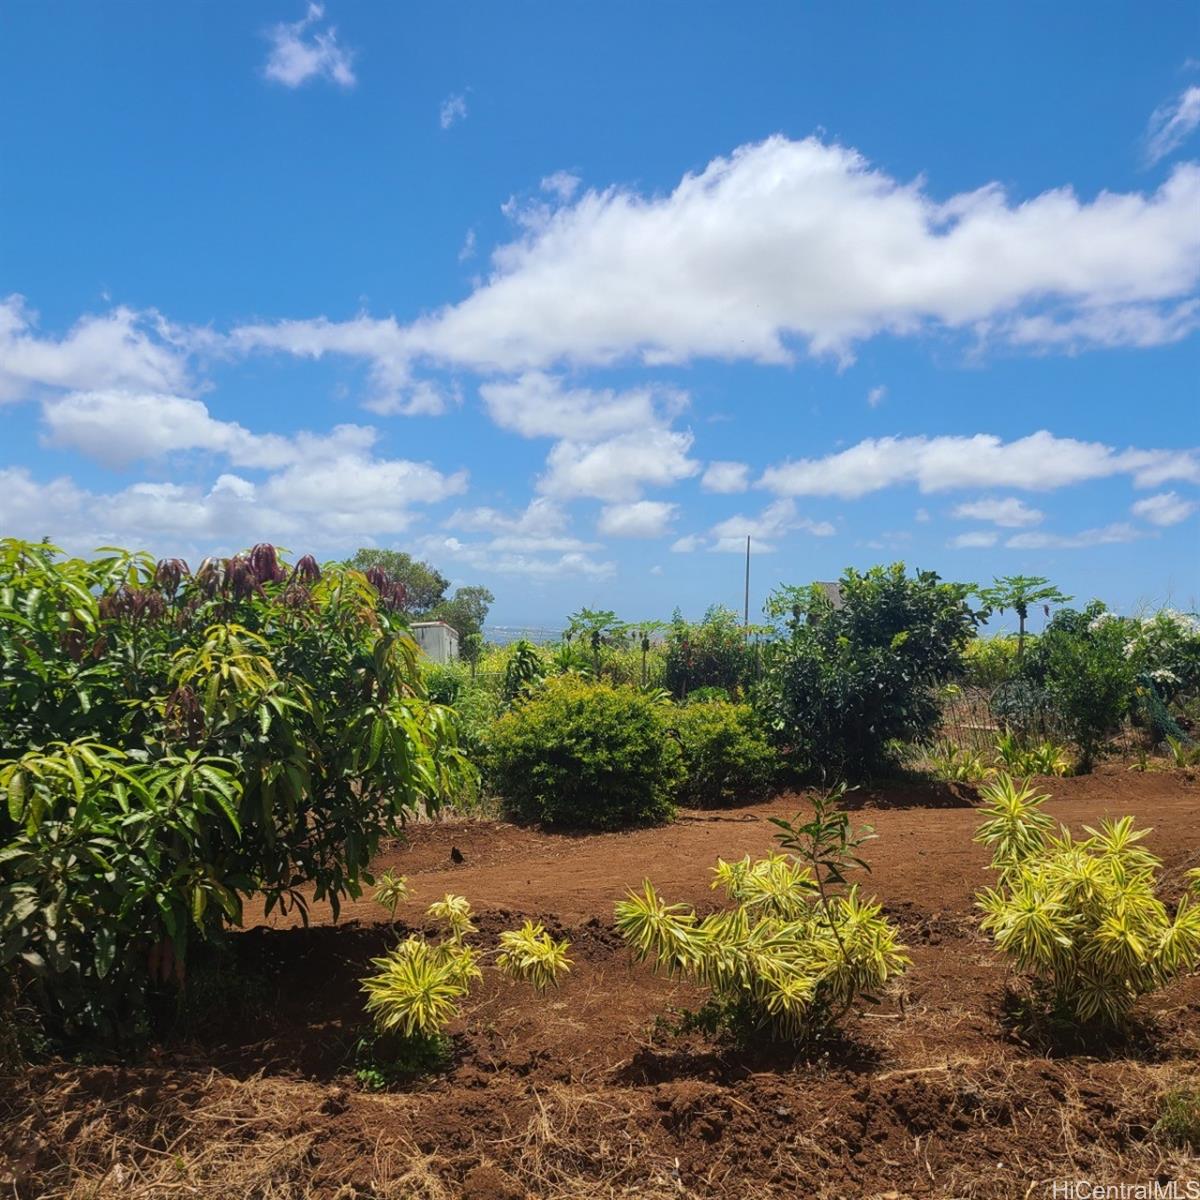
<point>578,1094</point>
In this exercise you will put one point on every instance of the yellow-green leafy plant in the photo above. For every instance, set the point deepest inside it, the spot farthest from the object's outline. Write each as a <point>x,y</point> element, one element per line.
<point>531,955</point>
<point>797,946</point>
<point>1081,916</point>
<point>419,985</point>
<point>1042,758</point>
<point>1182,753</point>
<point>957,764</point>
<point>391,891</point>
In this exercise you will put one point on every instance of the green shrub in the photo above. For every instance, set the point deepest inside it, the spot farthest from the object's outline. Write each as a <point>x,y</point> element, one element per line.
<point>845,686</point>
<point>797,947</point>
<point>445,682</point>
<point>586,754</point>
<point>711,653</point>
<point>726,756</point>
<point>1081,916</point>
<point>1081,661</point>
<point>524,669</point>
<point>991,661</point>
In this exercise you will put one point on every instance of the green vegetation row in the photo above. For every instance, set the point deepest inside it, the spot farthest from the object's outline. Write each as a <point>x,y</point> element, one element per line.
<point>175,744</point>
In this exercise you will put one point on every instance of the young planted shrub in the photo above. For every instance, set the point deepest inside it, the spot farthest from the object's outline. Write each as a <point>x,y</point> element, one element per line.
<point>419,985</point>
<point>726,756</point>
<point>845,686</point>
<point>957,764</point>
<point>586,754</point>
<point>1080,915</point>
<point>796,948</point>
<point>1041,758</point>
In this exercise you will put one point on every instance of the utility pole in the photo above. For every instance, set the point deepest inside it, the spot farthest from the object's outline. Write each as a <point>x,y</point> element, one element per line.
<point>746,608</point>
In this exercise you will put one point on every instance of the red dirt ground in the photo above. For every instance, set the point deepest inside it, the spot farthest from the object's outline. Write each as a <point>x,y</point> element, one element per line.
<point>579,1094</point>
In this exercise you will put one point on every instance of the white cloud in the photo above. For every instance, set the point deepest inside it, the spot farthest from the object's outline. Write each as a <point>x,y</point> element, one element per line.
<point>336,498</point>
<point>687,544</point>
<point>1108,535</point>
<point>726,477</point>
<point>562,184</point>
<point>802,240</point>
<point>453,110</point>
<point>1170,124</point>
<point>467,249</point>
<point>299,52</point>
<point>876,396</point>
<point>485,557</point>
<point>772,524</point>
<point>619,468</point>
<point>639,519</point>
<point>117,428</point>
<point>538,405</point>
<point>799,244</point>
<point>380,342</point>
<point>922,516</point>
<point>122,349</point>
<point>1039,462</point>
<point>1008,512</point>
<point>542,517</point>
<point>1167,508</point>
<point>976,539</point>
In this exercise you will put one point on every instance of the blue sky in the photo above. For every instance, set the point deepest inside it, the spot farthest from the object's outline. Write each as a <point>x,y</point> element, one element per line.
<point>569,299</point>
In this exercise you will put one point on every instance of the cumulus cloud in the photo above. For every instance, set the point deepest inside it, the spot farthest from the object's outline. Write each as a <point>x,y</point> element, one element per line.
<point>453,109</point>
<point>726,477</point>
<point>1039,462</point>
<point>1106,536</point>
<point>766,529</point>
<point>977,539</point>
<point>1008,512</point>
<point>787,245</point>
<point>876,396</point>
<point>120,349</point>
<point>300,51</point>
<point>1171,124</point>
<point>621,467</point>
<point>1167,508</point>
<point>639,519</point>
<point>563,184</point>
<point>483,556</point>
<point>687,544</point>
<point>380,343</point>
<point>539,405</point>
<point>331,503</point>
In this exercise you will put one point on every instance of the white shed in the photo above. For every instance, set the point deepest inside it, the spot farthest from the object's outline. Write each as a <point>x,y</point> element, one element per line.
<point>437,639</point>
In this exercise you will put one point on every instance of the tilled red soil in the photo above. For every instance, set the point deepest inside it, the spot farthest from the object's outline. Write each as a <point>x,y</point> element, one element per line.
<point>580,1093</point>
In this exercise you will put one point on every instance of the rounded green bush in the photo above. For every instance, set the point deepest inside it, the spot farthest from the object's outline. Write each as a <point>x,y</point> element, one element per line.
<point>586,754</point>
<point>725,753</point>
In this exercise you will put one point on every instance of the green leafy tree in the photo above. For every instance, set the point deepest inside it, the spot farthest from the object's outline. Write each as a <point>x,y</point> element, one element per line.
<point>1020,592</point>
<point>465,611</point>
<point>596,629</point>
<point>264,725</point>
<point>842,690</point>
<point>425,586</point>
